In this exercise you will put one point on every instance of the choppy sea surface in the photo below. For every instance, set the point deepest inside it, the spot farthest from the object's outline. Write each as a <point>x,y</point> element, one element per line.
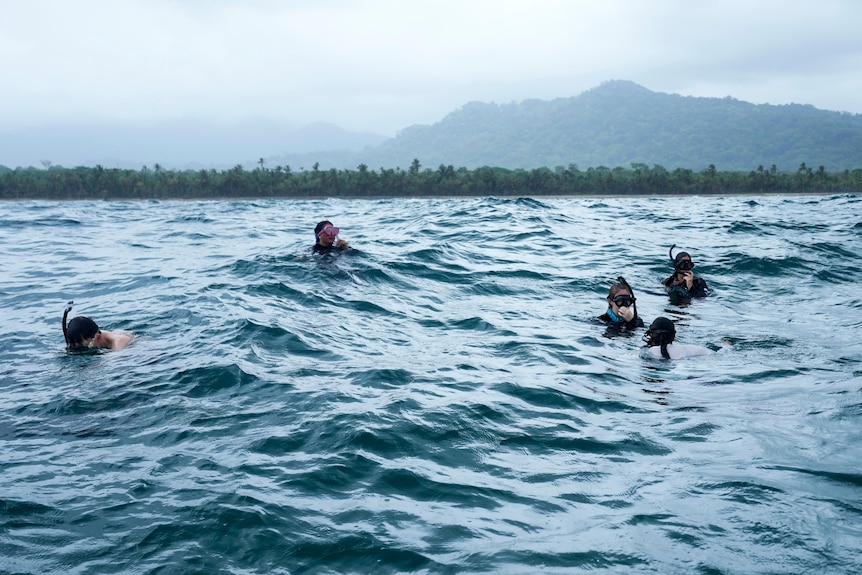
<point>439,401</point>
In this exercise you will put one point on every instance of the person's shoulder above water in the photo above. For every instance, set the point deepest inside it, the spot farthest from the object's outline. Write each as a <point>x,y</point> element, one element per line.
<point>660,342</point>
<point>679,351</point>
<point>326,239</point>
<point>82,334</point>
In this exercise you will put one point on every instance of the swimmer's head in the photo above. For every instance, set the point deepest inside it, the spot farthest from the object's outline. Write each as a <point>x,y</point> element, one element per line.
<point>682,260</point>
<point>325,231</point>
<point>617,288</point>
<point>621,294</point>
<point>661,332</point>
<point>81,333</point>
<point>661,326</point>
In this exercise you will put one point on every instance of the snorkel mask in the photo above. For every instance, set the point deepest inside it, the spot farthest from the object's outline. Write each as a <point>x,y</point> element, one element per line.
<point>680,264</point>
<point>329,231</point>
<point>660,326</point>
<point>623,300</point>
<point>648,335</point>
<point>652,335</point>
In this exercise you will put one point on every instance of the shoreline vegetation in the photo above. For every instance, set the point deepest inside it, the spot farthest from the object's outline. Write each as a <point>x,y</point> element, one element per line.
<point>156,183</point>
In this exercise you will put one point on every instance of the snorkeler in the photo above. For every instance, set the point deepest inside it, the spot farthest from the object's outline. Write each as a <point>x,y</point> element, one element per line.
<point>82,334</point>
<point>325,234</point>
<point>659,339</point>
<point>683,283</point>
<point>622,310</point>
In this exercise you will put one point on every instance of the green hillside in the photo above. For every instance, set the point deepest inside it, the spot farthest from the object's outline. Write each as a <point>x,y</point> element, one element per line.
<point>620,123</point>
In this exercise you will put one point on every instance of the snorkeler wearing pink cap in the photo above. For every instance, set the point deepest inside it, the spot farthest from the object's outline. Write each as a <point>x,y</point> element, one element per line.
<point>325,236</point>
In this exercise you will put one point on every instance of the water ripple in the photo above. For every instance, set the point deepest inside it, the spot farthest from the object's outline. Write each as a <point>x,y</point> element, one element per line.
<point>439,401</point>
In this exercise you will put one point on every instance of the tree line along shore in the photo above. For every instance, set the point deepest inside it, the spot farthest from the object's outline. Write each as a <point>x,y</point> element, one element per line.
<point>100,183</point>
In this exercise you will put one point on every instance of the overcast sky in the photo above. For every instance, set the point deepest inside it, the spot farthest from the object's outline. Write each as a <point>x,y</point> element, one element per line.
<point>382,65</point>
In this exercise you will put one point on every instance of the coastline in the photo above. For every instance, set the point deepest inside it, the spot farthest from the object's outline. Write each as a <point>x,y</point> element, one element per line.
<point>444,196</point>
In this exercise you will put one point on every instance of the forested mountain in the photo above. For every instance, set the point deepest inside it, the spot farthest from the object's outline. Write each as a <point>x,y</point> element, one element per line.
<point>618,123</point>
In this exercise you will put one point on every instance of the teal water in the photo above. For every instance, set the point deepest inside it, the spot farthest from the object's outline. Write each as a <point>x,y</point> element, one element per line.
<point>439,402</point>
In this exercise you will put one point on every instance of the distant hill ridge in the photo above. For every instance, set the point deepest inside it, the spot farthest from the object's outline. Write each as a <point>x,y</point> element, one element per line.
<point>182,144</point>
<point>618,123</point>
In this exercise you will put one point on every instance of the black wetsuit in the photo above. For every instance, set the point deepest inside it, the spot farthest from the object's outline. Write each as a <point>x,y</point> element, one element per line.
<point>609,321</point>
<point>321,249</point>
<point>698,288</point>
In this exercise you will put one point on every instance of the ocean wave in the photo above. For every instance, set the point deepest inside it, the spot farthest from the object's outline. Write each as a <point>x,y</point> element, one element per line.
<point>441,400</point>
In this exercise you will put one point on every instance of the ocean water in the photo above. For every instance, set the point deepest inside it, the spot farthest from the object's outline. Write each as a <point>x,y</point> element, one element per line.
<point>440,401</point>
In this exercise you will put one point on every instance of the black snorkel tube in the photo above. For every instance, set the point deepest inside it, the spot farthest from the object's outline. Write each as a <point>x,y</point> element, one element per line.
<point>65,314</point>
<point>623,281</point>
<point>670,253</point>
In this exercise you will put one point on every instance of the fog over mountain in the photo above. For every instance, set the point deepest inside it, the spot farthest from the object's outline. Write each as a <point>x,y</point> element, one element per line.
<point>617,123</point>
<point>176,145</point>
